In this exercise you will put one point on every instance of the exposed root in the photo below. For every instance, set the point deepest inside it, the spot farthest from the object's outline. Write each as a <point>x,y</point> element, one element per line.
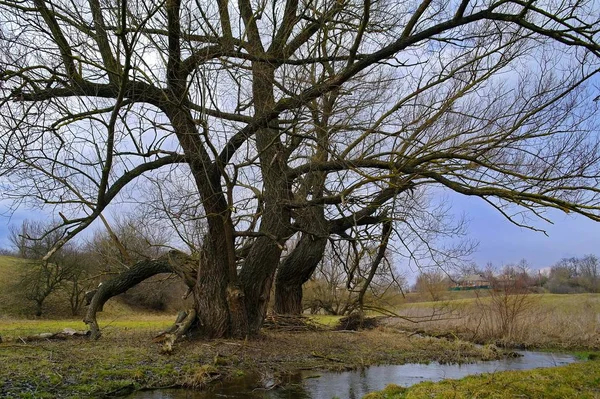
<point>185,320</point>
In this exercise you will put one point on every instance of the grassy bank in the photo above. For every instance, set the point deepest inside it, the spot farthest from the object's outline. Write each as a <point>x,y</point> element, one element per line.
<point>125,358</point>
<point>579,380</point>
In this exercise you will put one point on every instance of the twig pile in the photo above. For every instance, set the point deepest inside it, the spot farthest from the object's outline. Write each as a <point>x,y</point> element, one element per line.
<point>290,323</point>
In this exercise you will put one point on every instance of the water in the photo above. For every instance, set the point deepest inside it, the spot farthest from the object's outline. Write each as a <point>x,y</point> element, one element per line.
<point>355,384</point>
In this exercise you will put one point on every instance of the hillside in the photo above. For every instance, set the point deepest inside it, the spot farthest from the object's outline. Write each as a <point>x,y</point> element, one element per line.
<point>14,306</point>
<point>10,269</point>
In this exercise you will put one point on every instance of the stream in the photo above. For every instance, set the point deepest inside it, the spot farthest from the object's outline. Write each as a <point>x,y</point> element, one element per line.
<point>355,384</point>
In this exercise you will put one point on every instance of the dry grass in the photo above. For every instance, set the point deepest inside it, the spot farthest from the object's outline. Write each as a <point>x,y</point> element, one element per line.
<point>546,320</point>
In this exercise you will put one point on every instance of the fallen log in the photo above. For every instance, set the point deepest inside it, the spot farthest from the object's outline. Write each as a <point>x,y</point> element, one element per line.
<point>61,335</point>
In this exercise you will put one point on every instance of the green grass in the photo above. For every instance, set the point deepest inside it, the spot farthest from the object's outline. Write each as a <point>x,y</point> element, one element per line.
<point>127,358</point>
<point>10,271</point>
<point>13,328</point>
<point>326,320</point>
<point>579,380</point>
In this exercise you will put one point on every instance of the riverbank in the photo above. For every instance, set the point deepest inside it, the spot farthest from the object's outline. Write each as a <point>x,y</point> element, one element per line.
<point>578,380</point>
<point>124,360</point>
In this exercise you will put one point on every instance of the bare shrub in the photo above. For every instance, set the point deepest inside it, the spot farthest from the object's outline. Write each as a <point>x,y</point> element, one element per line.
<point>502,311</point>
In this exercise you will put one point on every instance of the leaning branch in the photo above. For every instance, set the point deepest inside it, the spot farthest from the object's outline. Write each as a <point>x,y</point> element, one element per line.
<point>172,262</point>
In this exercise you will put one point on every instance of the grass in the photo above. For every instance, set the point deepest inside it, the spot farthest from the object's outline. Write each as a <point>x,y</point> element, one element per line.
<point>126,359</point>
<point>579,380</point>
<point>547,321</point>
<point>14,328</point>
<point>326,320</point>
<point>10,271</point>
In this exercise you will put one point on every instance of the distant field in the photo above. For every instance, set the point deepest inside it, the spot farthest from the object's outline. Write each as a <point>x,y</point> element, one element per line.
<point>9,276</point>
<point>563,302</point>
<point>533,320</point>
<point>9,267</point>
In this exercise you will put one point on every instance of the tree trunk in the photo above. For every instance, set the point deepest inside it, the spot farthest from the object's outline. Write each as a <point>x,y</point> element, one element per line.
<point>260,265</point>
<point>295,270</point>
<point>219,302</point>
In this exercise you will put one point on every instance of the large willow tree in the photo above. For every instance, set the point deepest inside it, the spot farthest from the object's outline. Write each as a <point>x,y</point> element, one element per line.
<point>296,118</point>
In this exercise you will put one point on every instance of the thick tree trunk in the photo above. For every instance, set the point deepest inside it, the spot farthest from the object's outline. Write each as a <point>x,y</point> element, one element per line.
<point>215,315</point>
<point>295,270</point>
<point>218,300</point>
<point>259,267</point>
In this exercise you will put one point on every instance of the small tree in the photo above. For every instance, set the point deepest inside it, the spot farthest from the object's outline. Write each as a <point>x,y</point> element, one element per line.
<point>42,278</point>
<point>354,275</point>
<point>589,270</point>
<point>504,306</point>
<point>432,284</point>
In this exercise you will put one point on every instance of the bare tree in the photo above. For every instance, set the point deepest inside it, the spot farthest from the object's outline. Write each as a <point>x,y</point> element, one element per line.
<point>488,100</point>
<point>432,284</point>
<point>574,274</point>
<point>39,279</point>
<point>590,273</point>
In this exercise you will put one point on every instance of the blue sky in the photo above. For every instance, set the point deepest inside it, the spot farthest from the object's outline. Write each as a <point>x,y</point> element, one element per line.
<point>501,242</point>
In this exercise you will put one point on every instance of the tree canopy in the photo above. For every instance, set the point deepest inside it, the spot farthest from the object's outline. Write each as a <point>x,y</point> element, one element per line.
<point>272,119</point>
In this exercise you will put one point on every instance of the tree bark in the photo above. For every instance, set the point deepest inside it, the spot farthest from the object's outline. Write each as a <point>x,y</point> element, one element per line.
<point>173,262</point>
<point>260,265</point>
<point>295,270</point>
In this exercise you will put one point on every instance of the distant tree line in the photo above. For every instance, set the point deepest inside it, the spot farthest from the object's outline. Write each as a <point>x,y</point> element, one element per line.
<point>568,276</point>
<point>574,275</point>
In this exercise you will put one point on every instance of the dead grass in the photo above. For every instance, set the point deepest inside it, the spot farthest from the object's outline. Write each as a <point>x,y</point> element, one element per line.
<point>550,321</point>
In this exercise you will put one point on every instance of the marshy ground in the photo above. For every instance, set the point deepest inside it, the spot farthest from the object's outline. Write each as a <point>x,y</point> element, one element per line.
<point>125,358</point>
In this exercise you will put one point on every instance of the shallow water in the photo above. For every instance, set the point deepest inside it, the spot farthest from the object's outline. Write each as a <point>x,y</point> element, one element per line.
<point>355,384</point>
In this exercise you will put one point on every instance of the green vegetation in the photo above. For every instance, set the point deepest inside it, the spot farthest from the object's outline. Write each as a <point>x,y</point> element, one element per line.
<point>10,269</point>
<point>579,380</point>
<point>126,359</point>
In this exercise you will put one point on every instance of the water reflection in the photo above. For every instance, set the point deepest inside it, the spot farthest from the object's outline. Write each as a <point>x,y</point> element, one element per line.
<point>355,384</point>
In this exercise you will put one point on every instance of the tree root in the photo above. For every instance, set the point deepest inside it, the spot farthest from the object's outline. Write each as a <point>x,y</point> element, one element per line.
<point>183,323</point>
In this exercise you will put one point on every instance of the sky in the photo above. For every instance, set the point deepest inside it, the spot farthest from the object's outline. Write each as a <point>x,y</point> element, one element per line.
<point>499,241</point>
<point>502,242</point>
